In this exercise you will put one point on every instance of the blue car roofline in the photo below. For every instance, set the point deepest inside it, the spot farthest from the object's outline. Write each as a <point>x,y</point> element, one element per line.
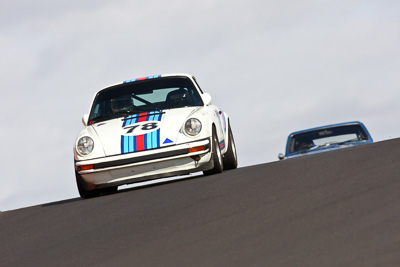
<point>323,127</point>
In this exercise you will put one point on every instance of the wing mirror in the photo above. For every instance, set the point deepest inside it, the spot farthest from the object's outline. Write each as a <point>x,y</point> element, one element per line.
<point>281,156</point>
<point>206,99</point>
<point>85,118</point>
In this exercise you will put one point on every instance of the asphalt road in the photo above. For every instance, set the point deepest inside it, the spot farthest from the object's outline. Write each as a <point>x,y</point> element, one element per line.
<point>339,208</point>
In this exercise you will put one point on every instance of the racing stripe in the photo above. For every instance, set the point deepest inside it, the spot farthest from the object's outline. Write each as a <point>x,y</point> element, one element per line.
<point>131,143</point>
<point>150,117</point>
<point>139,142</point>
<point>157,116</point>
<point>142,117</point>
<point>144,141</point>
<point>222,144</point>
<point>126,143</point>
<point>154,138</point>
<point>149,142</point>
<point>158,138</point>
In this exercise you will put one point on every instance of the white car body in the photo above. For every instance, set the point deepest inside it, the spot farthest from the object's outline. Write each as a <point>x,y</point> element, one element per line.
<point>153,144</point>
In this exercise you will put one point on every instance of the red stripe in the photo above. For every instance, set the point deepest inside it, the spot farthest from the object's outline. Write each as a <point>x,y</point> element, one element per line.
<point>140,142</point>
<point>142,117</point>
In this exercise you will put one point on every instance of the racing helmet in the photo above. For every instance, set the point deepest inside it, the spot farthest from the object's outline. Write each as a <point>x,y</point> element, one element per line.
<point>178,97</point>
<point>121,104</point>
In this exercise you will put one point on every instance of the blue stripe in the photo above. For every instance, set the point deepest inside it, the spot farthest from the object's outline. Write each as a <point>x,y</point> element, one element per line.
<point>150,144</point>
<point>128,121</point>
<point>151,117</point>
<point>154,138</point>
<point>130,143</point>
<point>156,116</point>
<point>149,141</point>
<point>126,144</point>
<point>131,119</point>
<point>158,138</point>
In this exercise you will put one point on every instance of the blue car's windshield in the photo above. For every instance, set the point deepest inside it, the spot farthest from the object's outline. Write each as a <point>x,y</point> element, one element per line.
<point>324,137</point>
<point>143,96</point>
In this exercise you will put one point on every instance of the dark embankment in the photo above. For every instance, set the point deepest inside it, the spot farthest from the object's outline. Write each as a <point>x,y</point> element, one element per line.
<point>340,208</point>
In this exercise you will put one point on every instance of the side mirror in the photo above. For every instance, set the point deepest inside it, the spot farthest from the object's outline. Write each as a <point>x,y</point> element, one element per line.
<point>206,99</point>
<point>85,118</point>
<point>281,156</point>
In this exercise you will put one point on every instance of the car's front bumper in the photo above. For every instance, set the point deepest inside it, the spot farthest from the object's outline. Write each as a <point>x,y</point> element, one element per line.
<point>145,165</point>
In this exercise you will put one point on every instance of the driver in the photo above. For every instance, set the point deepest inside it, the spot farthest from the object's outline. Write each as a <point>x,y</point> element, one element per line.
<point>121,104</point>
<point>304,144</point>
<point>177,98</point>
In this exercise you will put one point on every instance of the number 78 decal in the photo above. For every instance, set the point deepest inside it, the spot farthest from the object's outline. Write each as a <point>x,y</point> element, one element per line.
<point>141,128</point>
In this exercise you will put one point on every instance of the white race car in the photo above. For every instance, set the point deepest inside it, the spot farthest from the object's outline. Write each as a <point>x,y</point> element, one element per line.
<point>148,128</point>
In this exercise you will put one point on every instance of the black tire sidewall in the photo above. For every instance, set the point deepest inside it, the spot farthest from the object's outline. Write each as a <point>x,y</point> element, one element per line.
<point>218,162</point>
<point>230,157</point>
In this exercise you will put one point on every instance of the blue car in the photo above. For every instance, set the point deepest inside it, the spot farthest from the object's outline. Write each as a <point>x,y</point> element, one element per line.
<point>326,138</point>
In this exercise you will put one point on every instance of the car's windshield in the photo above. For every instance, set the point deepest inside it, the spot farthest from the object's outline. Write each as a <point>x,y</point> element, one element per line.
<point>325,137</point>
<point>142,96</point>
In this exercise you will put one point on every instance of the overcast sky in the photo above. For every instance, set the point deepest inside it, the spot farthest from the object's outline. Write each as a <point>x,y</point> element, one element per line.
<point>274,66</point>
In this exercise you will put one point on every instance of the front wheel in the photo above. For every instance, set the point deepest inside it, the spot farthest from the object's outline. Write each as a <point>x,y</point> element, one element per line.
<point>216,156</point>
<point>230,157</point>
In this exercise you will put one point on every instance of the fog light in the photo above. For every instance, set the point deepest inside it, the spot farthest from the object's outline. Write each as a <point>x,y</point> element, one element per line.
<point>86,167</point>
<point>196,149</point>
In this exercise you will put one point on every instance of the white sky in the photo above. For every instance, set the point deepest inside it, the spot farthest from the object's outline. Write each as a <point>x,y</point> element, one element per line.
<point>274,66</point>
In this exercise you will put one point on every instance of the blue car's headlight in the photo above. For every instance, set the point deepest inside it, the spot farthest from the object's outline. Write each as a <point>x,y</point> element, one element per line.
<point>85,146</point>
<point>192,127</point>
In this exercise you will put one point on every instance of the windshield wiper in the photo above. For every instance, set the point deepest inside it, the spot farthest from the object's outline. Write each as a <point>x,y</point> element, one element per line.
<point>124,113</point>
<point>131,116</point>
<point>335,143</point>
<point>102,118</point>
<point>325,144</point>
<point>146,109</point>
<point>136,111</point>
<point>348,141</point>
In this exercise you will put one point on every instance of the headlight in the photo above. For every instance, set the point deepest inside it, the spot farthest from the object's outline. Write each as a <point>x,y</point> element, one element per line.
<point>85,145</point>
<point>192,126</point>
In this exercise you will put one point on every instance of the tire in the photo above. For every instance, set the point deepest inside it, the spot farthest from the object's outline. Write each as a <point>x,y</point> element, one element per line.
<point>216,156</point>
<point>82,191</point>
<point>230,157</point>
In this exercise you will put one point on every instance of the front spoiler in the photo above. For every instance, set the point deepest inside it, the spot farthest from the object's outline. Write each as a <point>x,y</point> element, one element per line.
<point>145,165</point>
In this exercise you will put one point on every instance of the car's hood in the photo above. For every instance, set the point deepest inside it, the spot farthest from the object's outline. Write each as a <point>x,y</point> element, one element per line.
<point>141,131</point>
